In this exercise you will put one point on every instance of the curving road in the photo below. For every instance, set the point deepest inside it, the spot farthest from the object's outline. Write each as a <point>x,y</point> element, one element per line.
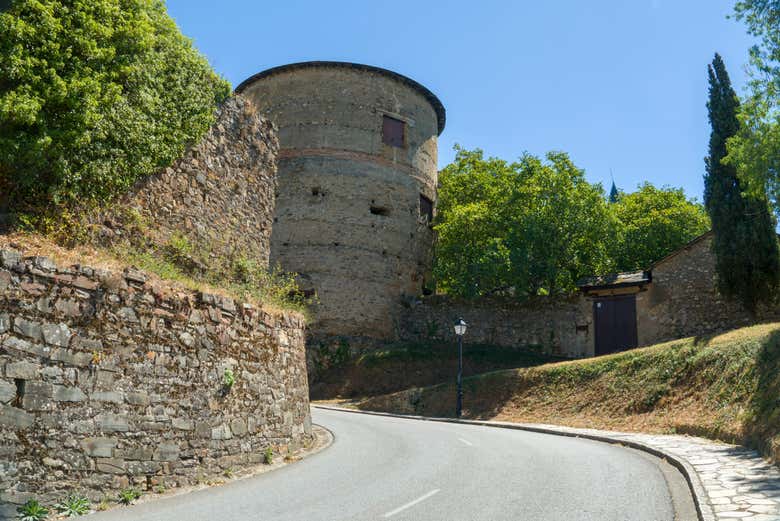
<point>404,470</point>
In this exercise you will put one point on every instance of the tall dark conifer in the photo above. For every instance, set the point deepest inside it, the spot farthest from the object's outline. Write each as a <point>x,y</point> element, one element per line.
<point>614,195</point>
<point>745,242</point>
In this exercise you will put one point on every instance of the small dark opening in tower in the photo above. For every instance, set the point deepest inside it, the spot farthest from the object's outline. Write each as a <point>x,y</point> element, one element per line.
<point>426,208</point>
<point>380,210</point>
<point>17,401</point>
<point>317,191</point>
<point>393,132</point>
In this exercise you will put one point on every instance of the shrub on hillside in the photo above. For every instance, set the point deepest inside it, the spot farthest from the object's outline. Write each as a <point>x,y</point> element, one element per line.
<point>95,94</point>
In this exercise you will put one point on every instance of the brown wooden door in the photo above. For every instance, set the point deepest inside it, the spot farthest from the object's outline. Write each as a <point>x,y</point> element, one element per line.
<point>615,319</point>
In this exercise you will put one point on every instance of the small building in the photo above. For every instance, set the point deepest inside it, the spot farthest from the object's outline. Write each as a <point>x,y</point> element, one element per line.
<point>676,297</point>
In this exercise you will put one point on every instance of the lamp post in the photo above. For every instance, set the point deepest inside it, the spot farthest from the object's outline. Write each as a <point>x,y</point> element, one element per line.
<point>460,330</point>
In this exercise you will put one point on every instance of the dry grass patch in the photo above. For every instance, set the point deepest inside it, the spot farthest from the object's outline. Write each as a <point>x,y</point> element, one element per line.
<point>159,270</point>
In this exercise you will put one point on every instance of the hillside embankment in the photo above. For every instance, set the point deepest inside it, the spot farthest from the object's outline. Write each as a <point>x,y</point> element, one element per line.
<point>724,386</point>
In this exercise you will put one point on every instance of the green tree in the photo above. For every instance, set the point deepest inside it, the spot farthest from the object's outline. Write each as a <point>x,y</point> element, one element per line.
<point>745,242</point>
<point>95,94</point>
<point>755,149</point>
<point>653,222</point>
<point>524,228</point>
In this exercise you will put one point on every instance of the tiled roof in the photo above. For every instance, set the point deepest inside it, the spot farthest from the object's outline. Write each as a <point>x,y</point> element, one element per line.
<point>631,278</point>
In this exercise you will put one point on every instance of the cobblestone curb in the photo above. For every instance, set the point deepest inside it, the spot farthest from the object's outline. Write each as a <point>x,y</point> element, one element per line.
<point>726,481</point>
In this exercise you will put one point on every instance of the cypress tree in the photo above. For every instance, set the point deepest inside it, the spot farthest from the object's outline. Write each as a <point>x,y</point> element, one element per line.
<point>745,242</point>
<point>614,195</point>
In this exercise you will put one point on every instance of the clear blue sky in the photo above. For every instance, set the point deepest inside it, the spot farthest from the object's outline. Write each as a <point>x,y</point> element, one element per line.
<point>617,84</point>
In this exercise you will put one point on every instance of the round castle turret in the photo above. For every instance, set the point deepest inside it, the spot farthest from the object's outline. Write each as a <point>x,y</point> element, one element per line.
<point>357,178</point>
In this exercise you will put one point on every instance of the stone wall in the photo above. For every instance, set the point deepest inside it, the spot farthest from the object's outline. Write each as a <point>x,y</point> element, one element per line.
<point>683,300</point>
<point>349,215</point>
<point>554,326</point>
<point>219,195</point>
<point>110,380</point>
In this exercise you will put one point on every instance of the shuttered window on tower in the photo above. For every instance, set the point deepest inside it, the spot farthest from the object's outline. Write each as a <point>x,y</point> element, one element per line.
<point>393,132</point>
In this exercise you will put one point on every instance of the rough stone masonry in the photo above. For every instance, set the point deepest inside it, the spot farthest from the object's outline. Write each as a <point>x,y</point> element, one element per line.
<point>109,380</point>
<point>219,196</point>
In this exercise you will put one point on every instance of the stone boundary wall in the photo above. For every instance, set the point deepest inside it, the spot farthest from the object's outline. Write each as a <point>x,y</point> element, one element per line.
<point>220,195</point>
<point>683,299</point>
<point>109,380</point>
<point>560,326</point>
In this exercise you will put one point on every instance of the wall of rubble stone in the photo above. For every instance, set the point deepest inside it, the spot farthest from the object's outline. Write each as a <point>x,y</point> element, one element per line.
<point>110,380</point>
<point>219,195</point>
<point>683,299</point>
<point>560,326</point>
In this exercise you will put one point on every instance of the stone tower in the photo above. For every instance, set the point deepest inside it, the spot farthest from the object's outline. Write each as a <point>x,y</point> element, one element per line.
<point>357,181</point>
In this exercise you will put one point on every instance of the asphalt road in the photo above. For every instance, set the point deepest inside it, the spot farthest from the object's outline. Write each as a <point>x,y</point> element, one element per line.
<point>404,470</point>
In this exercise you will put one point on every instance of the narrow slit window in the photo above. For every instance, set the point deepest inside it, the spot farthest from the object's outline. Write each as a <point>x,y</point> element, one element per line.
<point>17,401</point>
<point>393,131</point>
<point>380,210</point>
<point>426,208</point>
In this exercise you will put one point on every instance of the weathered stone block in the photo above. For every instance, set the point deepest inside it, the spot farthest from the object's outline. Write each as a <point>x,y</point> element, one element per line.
<point>111,465</point>
<point>238,427</point>
<point>9,258</point>
<point>108,422</point>
<point>44,263</point>
<point>56,334</point>
<point>137,398</point>
<point>143,468</point>
<point>106,396</point>
<point>37,396</point>
<point>79,359</point>
<point>135,453</point>
<point>98,447</point>
<point>203,430</point>
<point>68,307</point>
<point>182,424</point>
<point>187,339</point>
<point>51,372</point>
<point>64,393</point>
<point>5,322</point>
<point>167,452</point>
<point>28,328</point>
<point>127,314</point>
<point>7,391</point>
<point>222,432</point>
<point>23,369</point>
<point>15,418</point>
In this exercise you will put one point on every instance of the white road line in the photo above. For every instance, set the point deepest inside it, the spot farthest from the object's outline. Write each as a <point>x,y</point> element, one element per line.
<point>467,442</point>
<point>412,503</point>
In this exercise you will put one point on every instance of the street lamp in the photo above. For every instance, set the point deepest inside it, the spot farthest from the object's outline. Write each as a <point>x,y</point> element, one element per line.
<point>460,330</point>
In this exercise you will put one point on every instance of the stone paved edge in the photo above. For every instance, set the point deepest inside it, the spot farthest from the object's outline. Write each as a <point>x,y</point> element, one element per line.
<point>700,498</point>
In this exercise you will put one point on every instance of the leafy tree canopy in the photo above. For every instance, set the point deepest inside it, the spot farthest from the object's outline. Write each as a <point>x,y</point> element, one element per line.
<point>95,94</point>
<point>755,150</point>
<point>653,222</point>
<point>525,228</point>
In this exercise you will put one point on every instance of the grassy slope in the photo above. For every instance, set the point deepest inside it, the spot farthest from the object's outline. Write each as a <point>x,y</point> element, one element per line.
<point>156,267</point>
<point>724,387</point>
<point>401,366</point>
